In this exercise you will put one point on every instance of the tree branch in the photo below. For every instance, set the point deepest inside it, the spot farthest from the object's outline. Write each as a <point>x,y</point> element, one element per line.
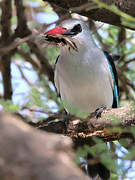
<point>11,46</point>
<point>21,18</point>
<point>97,14</point>
<point>27,153</point>
<point>113,125</point>
<point>5,39</point>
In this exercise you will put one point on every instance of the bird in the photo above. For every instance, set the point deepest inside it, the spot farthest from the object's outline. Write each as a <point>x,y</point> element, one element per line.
<point>85,75</point>
<point>86,78</point>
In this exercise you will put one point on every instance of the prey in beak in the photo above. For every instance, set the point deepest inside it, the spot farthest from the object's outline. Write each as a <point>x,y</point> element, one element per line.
<point>61,36</point>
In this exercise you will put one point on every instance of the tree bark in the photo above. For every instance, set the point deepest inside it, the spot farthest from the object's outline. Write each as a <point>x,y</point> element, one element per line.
<point>5,60</point>
<point>27,153</point>
<point>114,124</point>
<point>97,14</point>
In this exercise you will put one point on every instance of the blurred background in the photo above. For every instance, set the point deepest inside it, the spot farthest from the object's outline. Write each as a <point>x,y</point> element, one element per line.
<point>26,77</point>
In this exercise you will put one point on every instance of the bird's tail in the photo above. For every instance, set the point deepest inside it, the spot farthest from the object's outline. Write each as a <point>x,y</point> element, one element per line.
<point>96,170</point>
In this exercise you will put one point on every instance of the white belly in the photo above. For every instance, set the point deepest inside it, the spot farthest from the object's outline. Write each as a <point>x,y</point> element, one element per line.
<point>82,86</point>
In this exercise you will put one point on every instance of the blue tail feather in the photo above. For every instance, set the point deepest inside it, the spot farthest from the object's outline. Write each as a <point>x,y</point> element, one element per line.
<point>115,79</point>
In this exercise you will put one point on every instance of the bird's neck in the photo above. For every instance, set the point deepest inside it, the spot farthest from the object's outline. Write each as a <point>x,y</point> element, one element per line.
<point>83,43</point>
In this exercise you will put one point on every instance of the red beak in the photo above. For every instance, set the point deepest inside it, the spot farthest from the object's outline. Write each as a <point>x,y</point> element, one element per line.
<point>57,30</point>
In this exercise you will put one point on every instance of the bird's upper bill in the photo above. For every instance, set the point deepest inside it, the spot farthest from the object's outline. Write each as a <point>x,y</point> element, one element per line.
<point>57,30</point>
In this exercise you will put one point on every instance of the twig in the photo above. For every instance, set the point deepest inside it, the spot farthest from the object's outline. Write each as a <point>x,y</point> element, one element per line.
<point>127,62</point>
<point>46,67</point>
<point>126,80</point>
<point>27,57</point>
<point>37,110</point>
<point>22,74</point>
<point>4,50</point>
<point>83,7</point>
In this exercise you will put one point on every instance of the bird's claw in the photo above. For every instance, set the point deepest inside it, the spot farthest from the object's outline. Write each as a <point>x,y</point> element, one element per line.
<point>99,111</point>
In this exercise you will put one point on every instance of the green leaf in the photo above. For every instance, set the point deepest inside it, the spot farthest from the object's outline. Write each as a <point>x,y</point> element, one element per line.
<point>9,106</point>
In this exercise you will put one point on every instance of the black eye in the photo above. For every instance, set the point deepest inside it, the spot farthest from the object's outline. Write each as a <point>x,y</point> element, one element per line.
<point>74,31</point>
<point>77,29</point>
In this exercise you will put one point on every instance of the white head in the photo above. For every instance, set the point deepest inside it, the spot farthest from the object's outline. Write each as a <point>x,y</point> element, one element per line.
<point>73,28</point>
<point>76,28</point>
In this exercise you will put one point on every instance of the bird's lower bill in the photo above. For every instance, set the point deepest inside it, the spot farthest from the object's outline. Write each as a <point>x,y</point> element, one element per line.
<point>62,40</point>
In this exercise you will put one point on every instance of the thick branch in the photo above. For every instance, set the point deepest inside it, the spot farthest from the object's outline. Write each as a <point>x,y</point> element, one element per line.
<point>79,6</point>
<point>39,154</point>
<point>27,153</point>
<point>82,130</point>
<point>6,20</point>
<point>5,39</point>
<point>6,76</point>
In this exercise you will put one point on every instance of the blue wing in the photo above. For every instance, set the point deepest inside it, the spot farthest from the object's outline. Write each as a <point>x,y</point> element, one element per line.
<point>115,79</point>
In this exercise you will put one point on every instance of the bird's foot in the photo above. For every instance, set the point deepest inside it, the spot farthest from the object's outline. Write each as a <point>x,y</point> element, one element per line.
<point>99,111</point>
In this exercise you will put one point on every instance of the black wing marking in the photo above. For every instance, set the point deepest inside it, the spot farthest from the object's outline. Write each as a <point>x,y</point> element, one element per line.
<point>55,82</point>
